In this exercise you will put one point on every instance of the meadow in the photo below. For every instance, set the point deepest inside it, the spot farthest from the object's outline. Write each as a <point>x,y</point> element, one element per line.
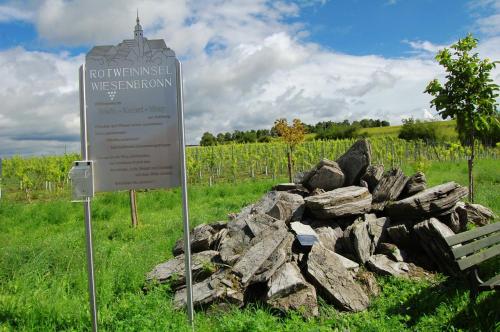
<point>43,280</point>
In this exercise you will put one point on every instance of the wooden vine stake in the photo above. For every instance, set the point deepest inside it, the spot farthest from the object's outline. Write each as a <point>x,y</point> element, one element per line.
<point>133,208</point>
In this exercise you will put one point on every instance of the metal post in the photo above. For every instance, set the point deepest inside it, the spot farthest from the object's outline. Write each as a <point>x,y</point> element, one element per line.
<point>185,208</point>
<point>87,208</point>
<point>90,263</point>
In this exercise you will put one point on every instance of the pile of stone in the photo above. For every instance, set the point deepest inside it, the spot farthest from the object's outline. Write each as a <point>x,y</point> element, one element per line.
<point>326,234</point>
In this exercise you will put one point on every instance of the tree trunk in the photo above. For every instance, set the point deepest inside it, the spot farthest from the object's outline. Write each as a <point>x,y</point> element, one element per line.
<point>289,155</point>
<point>471,176</point>
<point>133,208</point>
<point>471,160</point>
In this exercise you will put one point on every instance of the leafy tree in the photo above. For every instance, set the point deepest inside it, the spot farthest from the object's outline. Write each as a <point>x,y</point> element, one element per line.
<point>337,131</point>
<point>292,135</point>
<point>416,129</point>
<point>208,139</point>
<point>468,95</point>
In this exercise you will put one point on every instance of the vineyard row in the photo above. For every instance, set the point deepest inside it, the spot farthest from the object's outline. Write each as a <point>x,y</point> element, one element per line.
<point>232,162</point>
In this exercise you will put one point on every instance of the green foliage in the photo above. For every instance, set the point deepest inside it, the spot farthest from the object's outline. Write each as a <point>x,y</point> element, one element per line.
<point>469,94</point>
<point>208,139</point>
<point>337,132</point>
<point>417,129</point>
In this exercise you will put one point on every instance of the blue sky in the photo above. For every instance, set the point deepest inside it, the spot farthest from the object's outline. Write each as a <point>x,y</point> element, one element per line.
<point>380,27</point>
<point>350,26</point>
<point>246,62</point>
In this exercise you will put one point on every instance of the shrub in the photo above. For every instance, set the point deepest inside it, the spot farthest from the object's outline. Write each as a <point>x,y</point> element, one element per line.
<point>416,129</point>
<point>337,132</point>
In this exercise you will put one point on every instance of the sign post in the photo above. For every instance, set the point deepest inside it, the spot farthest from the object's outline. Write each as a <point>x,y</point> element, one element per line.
<point>185,207</point>
<point>132,130</point>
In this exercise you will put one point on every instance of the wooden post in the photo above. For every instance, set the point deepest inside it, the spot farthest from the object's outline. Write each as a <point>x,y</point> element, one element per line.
<point>133,208</point>
<point>289,166</point>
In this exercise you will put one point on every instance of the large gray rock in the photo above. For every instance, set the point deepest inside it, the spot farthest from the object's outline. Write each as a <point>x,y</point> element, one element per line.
<point>432,234</point>
<point>347,263</point>
<point>327,175</point>
<point>260,223</point>
<point>286,280</point>
<point>173,270</point>
<point>363,237</point>
<point>463,213</point>
<point>354,162</point>
<point>334,281</point>
<point>303,300</point>
<point>251,261</point>
<point>400,235</point>
<point>219,288</point>
<point>340,202</point>
<point>280,205</point>
<point>433,201</point>
<point>382,265</point>
<point>237,240</point>
<point>475,213</point>
<point>392,251</point>
<point>389,188</point>
<point>330,237</point>
<point>415,184</point>
<point>373,175</point>
<point>457,219</point>
<point>282,254</point>
<point>201,238</point>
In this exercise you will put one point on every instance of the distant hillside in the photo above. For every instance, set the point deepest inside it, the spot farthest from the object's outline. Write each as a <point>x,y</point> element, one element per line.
<point>446,131</point>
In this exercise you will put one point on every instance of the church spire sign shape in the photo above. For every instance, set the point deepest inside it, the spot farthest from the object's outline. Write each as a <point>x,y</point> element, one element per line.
<point>132,117</point>
<point>132,130</point>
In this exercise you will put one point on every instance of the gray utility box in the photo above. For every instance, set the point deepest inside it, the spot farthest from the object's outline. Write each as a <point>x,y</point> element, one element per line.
<point>82,180</point>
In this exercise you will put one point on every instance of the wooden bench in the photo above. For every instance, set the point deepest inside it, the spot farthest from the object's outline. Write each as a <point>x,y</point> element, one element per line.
<point>472,247</point>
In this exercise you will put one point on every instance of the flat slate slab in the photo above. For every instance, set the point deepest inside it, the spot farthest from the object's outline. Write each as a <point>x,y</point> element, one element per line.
<point>173,269</point>
<point>382,265</point>
<point>305,234</point>
<point>334,281</point>
<point>427,203</point>
<point>389,188</point>
<point>251,261</point>
<point>219,288</point>
<point>340,202</point>
<point>287,279</point>
<point>303,300</point>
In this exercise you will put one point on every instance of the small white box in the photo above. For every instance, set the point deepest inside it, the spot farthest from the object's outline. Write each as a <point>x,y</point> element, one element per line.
<point>82,180</point>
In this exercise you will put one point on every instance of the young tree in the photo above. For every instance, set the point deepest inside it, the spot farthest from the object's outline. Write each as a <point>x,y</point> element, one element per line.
<point>292,135</point>
<point>208,139</point>
<point>468,95</point>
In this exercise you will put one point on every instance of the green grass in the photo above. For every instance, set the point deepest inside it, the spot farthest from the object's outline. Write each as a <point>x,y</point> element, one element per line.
<point>43,283</point>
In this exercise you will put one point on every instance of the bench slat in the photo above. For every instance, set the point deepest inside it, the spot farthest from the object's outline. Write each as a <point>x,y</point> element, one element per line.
<point>492,283</point>
<point>472,247</point>
<point>478,257</point>
<point>472,234</point>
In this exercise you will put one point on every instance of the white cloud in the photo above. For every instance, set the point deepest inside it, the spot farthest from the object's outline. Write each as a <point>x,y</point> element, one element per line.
<point>8,13</point>
<point>39,111</point>
<point>424,47</point>
<point>243,65</point>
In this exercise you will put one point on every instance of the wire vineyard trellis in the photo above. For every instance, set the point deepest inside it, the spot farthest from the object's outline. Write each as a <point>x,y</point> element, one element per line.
<point>233,162</point>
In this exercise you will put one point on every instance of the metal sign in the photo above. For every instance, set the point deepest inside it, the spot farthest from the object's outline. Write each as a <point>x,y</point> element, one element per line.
<point>132,114</point>
<point>132,128</point>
